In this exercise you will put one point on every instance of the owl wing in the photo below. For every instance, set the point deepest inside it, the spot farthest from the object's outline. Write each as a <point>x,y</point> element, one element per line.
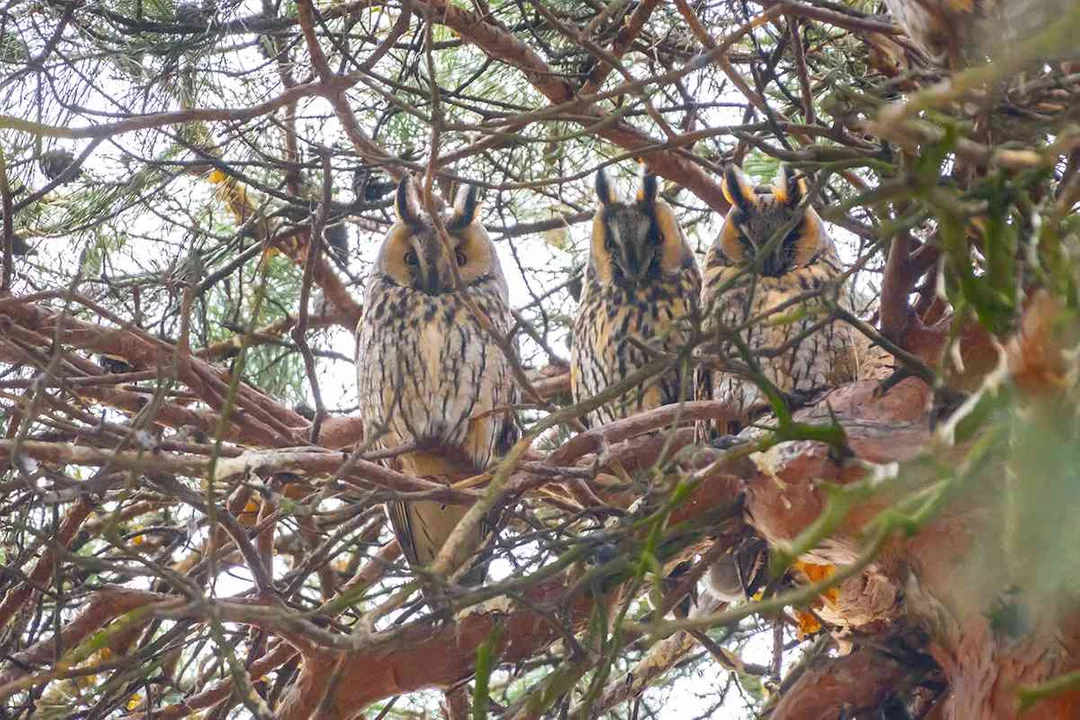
<point>873,362</point>
<point>486,371</point>
<point>377,359</point>
<point>591,355</point>
<point>422,527</point>
<point>398,512</point>
<point>502,431</point>
<point>835,342</point>
<point>684,313</point>
<point>506,431</point>
<point>718,304</point>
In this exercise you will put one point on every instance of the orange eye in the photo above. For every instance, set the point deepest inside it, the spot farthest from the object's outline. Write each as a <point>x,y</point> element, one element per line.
<point>411,259</point>
<point>460,257</point>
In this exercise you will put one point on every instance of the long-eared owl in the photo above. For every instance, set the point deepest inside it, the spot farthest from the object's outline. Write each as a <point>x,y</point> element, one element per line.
<point>764,278</point>
<point>641,290</point>
<point>429,375</point>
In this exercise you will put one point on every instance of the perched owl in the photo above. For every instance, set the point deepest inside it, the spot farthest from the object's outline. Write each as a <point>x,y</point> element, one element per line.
<point>641,289</point>
<point>429,375</point>
<point>749,271</point>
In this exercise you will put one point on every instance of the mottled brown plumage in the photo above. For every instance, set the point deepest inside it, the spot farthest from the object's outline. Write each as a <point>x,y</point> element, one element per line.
<point>770,252</point>
<point>641,291</point>
<point>429,375</point>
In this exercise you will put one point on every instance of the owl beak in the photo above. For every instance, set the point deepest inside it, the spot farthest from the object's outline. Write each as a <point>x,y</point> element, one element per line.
<point>645,261</point>
<point>436,277</point>
<point>637,259</point>
<point>633,264</point>
<point>427,268</point>
<point>444,276</point>
<point>774,263</point>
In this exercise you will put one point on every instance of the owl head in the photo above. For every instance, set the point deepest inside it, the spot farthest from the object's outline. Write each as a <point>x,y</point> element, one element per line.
<point>758,215</point>
<point>413,255</point>
<point>635,242</point>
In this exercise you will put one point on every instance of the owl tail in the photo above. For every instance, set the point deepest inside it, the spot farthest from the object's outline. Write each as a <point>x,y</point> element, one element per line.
<point>422,527</point>
<point>444,467</point>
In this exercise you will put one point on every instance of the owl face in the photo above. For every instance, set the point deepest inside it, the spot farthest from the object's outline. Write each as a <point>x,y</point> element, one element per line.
<point>638,242</point>
<point>413,255</point>
<point>757,215</point>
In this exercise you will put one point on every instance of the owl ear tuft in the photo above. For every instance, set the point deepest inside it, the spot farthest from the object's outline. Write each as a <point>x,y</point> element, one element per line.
<point>737,189</point>
<point>407,201</point>
<point>788,188</point>
<point>465,205</point>
<point>604,191</point>
<point>650,186</point>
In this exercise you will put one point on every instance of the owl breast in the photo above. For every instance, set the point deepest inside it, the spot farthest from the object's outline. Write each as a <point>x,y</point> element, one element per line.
<point>429,374</point>
<point>780,331</point>
<point>614,326</point>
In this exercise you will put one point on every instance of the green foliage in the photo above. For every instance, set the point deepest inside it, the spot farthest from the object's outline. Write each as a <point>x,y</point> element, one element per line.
<point>13,50</point>
<point>761,166</point>
<point>1042,500</point>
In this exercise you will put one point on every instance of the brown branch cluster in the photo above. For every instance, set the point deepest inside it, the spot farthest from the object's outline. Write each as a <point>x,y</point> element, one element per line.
<point>172,269</point>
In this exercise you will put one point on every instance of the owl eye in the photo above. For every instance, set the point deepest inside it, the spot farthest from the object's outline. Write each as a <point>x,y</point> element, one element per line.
<point>411,259</point>
<point>460,257</point>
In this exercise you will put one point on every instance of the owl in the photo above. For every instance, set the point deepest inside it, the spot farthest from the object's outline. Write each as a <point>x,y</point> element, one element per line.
<point>431,378</point>
<point>759,288</point>
<point>641,290</point>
